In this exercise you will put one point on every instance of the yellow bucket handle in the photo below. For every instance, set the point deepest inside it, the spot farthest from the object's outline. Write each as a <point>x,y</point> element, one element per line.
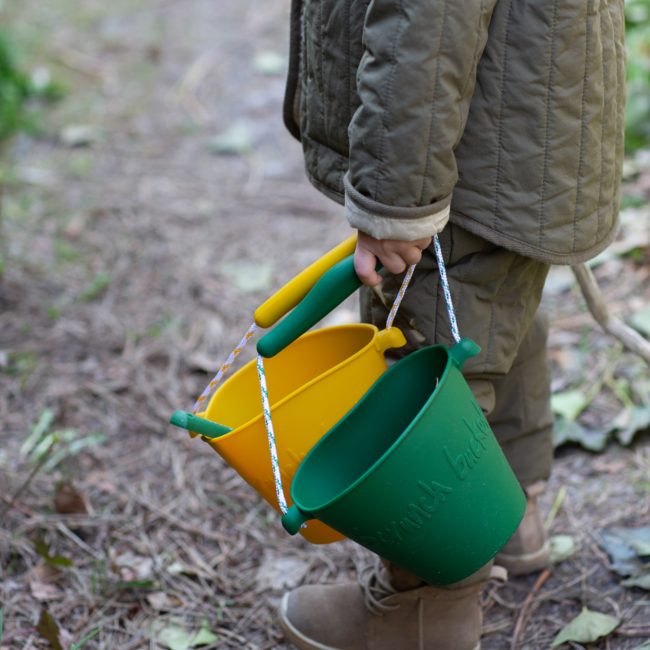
<point>284,300</point>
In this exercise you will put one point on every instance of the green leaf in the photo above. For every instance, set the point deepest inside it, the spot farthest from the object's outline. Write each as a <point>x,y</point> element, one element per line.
<point>76,646</point>
<point>270,63</point>
<point>74,448</point>
<point>622,544</point>
<point>44,446</point>
<point>49,630</point>
<point>570,431</point>
<point>569,404</point>
<point>562,548</point>
<point>586,628</point>
<point>643,646</point>
<point>248,277</point>
<point>174,637</point>
<point>642,581</point>
<point>40,429</point>
<point>235,140</point>
<point>98,284</point>
<point>204,636</point>
<point>641,321</point>
<point>630,422</point>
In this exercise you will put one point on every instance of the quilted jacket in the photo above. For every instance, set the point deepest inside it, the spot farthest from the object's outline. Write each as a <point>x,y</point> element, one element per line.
<point>505,116</point>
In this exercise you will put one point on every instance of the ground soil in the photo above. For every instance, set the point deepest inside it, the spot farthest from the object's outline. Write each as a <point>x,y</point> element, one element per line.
<point>120,299</point>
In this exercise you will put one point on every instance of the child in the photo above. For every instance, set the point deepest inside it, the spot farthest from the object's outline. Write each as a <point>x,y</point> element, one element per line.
<point>499,125</point>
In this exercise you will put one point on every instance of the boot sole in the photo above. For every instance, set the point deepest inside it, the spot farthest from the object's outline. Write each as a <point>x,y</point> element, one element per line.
<point>295,636</point>
<point>300,640</point>
<point>520,565</point>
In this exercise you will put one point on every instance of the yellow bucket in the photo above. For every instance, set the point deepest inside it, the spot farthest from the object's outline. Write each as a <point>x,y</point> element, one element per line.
<point>312,384</point>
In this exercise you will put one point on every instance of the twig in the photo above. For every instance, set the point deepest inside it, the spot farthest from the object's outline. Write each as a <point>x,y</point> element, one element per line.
<point>629,337</point>
<point>522,614</point>
<point>557,504</point>
<point>13,635</point>
<point>31,476</point>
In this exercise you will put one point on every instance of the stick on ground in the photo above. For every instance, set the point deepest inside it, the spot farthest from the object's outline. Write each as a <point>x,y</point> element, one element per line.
<point>629,337</point>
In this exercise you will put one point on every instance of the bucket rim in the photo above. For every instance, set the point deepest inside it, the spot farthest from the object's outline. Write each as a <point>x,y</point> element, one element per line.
<point>375,466</point>
<point>260,416</point>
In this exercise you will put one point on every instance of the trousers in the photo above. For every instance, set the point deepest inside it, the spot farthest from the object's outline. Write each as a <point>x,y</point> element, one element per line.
<point>496,295</point>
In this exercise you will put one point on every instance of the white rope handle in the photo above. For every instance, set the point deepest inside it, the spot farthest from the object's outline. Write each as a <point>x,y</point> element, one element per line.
<point>266,406</point>
<point>447,292</point>
<point>224,369</point>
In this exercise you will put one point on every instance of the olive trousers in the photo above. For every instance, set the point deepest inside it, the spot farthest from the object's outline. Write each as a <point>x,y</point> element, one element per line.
<point>496,295</point>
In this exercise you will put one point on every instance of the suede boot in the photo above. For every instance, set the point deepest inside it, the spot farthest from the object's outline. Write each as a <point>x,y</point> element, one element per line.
<point>528,550</point>
<point>376,615</point>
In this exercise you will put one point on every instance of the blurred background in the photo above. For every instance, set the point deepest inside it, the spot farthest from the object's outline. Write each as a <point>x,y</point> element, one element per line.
<point>151,199</point>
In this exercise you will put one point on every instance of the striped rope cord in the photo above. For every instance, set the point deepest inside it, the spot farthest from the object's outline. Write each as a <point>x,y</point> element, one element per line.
<point>275,464</point>
<point>400,295</point>
<point>224,369</point>
<point>447,292</point>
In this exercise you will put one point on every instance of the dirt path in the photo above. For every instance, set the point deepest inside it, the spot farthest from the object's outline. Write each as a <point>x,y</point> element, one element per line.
<point>130,274</point>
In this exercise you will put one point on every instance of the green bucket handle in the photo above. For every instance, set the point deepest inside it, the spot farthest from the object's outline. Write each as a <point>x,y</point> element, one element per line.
<point>339,283</point>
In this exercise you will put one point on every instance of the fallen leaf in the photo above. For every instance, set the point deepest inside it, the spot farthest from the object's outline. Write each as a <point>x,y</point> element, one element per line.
<point>613,467</point>
<point>571,431</point>
<point>162,602</point>
<point>133,567</point>
<point>642,581</point>
<point>69,501</point>
<point>629,422</point>
<point>280,572</point>
<point>235,140</point>
<point>49,630</point>
<point>204,636</point>
<point>174,636</point>
<point>45,573</point>
<point>79,135</point>
<point>569,404</point>
<point>586,628</point>
<point>270,63</point>
<point>248,277</point>
<point>626,547</point>
<point>562,548</point>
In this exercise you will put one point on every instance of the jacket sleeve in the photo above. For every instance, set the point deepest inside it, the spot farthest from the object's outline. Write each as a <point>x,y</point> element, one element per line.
<point>415,82</point>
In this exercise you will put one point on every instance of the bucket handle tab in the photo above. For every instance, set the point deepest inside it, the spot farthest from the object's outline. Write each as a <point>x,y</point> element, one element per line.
<point>293,519</point>
<point>463,350</point>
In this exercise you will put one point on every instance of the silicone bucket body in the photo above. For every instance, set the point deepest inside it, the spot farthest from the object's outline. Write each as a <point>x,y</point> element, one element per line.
<point>414,473</point>
<point>312,384</point>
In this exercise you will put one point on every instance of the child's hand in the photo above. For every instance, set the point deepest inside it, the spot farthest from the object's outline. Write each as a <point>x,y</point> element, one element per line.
<point>395,255</point>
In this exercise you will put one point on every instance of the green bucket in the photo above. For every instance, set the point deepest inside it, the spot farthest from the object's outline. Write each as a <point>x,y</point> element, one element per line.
<point>414,473</point>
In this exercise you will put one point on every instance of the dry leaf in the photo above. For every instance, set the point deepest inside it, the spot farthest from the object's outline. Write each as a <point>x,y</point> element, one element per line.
<point>162,601</point>
<point>611,468</point>
<point>49,630</point>
<point>41,579</point>
<point>45,573</point>
<point>280,572</point>
<point>133,567</point>
<point>69,501</point>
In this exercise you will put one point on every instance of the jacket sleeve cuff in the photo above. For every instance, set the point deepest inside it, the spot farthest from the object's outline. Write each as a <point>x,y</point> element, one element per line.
<point>390,222</point>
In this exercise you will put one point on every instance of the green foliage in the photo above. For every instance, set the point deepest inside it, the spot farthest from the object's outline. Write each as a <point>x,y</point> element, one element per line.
<point>637,111</point>
<point>17,88</point>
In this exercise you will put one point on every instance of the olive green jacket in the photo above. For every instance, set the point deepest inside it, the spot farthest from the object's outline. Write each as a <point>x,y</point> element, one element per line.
<point>505,116</point>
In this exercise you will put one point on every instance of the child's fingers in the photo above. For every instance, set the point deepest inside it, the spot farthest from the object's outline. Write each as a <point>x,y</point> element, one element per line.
<point>393,262</point>
<point>364,265</point>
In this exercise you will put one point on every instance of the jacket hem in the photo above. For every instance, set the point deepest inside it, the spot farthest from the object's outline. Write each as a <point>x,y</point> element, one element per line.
<point>528,250</point>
